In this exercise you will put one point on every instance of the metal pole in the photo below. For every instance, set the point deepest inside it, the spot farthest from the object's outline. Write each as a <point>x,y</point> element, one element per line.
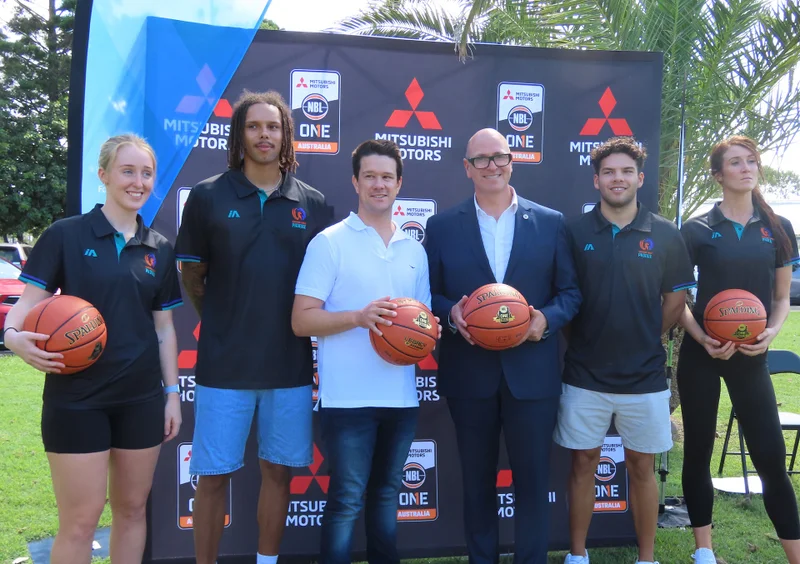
<point>663,470</point>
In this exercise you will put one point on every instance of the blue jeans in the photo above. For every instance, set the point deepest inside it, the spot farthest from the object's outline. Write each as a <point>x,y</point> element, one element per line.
<point>366,449</point>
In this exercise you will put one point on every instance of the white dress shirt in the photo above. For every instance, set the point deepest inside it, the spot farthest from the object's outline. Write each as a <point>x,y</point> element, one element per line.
<point>498,236</point>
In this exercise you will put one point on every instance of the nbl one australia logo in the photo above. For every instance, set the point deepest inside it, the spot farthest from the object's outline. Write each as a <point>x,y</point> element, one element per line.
<point>422,321</point>
<point>520,118</point>
<point>316,108</point>
<point>419,494</point>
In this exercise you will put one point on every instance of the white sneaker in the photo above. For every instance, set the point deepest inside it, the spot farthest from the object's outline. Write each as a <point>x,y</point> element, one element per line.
<point>570,559</point>
<point>704,556</point>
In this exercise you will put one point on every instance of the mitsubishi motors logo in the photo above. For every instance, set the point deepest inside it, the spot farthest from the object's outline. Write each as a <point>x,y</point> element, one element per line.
<point>300,484</point>
<point>399,211</point>
<point>190,104</point>
<point>619,126</point>
<point>414,95</point>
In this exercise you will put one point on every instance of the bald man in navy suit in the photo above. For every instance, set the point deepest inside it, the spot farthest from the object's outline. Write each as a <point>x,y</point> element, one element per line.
<point>497,236</point>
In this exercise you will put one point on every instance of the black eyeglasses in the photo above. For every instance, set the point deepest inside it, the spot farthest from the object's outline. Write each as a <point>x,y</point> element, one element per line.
<point>498,160</point>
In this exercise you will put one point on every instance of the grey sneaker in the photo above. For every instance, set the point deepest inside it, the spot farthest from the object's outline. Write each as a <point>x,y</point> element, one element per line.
<point>704,556</point>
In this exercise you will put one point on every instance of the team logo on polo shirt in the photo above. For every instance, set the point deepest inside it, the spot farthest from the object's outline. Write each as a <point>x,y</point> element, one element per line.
<point>520,118</point>
<point>299,218</point>
<point>419,494</point>
<point>766,235</point>
<point>504,315</point>
<point>646,249</point>
<point>150,264</point>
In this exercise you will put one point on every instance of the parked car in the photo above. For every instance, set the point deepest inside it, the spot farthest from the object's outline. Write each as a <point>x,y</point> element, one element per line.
<point>10,290</point>
<point>794,291</point>
<point>15,253</point>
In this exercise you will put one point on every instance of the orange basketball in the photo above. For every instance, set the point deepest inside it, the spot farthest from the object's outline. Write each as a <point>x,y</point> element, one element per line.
<point>735,315</point>
<point>76,329</point>
<point>411,336</point>
<point>497,316</point>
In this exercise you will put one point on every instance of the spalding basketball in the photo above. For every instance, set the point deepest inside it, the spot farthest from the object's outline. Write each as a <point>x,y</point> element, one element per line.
<point>76,329</point>
<point>735,315</point>
<point>497,316</point>
<point>411,336</point>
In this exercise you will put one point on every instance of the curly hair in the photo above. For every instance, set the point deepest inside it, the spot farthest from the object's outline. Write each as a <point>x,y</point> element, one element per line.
<point>287,162</point>
<point>625,145</point>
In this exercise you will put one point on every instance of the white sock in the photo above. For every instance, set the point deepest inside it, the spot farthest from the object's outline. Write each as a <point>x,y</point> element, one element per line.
<point>262,559</point>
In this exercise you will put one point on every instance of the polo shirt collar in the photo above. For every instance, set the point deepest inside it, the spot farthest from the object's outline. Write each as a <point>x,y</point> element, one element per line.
<point>715,215</point>
<point>286,189</point>
<point>355,223</point>
<point>642,222</point>
<point>103,228</point>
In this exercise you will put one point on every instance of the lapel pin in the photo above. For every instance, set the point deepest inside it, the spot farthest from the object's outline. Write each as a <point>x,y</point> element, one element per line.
<point>525,216</point>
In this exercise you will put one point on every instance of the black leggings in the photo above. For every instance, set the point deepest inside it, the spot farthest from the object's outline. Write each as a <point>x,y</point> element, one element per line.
<point>753,397</point>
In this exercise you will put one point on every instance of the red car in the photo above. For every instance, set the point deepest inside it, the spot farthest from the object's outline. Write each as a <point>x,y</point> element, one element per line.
<point>10,289</point>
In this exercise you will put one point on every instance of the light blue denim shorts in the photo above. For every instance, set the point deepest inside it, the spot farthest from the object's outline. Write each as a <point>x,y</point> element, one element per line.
<point>222,421</point>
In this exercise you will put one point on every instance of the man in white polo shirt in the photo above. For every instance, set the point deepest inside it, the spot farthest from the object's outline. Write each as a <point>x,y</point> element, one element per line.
<point>369,407</point>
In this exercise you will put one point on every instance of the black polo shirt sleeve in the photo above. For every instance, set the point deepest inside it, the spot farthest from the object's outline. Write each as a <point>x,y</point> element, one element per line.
<point>686,234</point>
<point>169,292</point>
<point>781,259</point>
<point>679,271</point>
<point>45,265</point>
<point>192,244</point>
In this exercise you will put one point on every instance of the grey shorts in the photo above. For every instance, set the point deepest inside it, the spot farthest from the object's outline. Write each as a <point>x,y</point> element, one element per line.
<point>642,420</point>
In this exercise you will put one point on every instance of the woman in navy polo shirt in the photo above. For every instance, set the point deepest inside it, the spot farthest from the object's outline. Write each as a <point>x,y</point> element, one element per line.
<point>102,428</point>
<point>742,244</point>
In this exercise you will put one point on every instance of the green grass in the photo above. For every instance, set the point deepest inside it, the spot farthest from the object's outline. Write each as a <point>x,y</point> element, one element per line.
<point>742,530</point>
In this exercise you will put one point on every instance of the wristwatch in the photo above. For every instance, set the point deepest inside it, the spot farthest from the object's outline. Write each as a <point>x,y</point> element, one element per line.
<point>173,389</point>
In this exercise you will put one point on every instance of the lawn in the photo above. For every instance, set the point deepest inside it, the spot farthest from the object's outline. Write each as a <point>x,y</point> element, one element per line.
<point>27,508</point>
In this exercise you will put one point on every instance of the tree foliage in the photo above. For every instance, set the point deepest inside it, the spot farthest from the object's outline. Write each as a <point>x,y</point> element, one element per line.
<point>731,61</point>
<point>35,57</point>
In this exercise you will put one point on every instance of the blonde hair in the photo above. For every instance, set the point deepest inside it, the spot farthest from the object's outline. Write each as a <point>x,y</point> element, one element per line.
<point>109,149</point>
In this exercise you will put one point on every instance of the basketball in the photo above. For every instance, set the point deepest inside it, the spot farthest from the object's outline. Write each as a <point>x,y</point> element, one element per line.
<point>497,316</point>
<point>735,315</point>
<point>76,329</point>
<point>411,336</point>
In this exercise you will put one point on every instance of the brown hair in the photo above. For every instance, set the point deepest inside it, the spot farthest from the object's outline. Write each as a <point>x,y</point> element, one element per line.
<point>759,203</point>
<point>624,145</point>
<point>383,147</point>
<point>287,162</point>
<point>109,149</point>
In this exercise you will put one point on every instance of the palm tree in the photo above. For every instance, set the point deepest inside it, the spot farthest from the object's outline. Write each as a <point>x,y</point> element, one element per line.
<point>731,60</point>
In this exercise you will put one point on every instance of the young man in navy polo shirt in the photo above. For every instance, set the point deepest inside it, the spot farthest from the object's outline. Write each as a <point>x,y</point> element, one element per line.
<point>369,407</point>
<point>633,271</point>
<point>241,244</point>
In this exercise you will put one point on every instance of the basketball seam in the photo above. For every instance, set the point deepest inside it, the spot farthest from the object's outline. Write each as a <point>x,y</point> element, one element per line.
<point>495,303</point>
<point>68,320</point>
<point>36,325</point>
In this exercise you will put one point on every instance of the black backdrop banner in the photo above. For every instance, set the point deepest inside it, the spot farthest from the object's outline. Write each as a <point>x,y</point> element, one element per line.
<point>553,106</point>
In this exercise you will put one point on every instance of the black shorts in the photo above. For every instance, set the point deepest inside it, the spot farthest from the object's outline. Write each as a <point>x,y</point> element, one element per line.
<point>78,431</point>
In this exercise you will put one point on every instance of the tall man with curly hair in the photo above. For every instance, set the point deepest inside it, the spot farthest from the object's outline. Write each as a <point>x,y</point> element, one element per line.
<point>633,272</point>
<point>241,244</point>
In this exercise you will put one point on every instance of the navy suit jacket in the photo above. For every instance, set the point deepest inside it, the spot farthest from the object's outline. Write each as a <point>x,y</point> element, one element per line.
<point>540,267</point>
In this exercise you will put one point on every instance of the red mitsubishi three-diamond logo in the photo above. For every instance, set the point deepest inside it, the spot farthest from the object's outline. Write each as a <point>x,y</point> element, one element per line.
<point>619,126</point>
<point>300,484</point>
<point>414,95</point>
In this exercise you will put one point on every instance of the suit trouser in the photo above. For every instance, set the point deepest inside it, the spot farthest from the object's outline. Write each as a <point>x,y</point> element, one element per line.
<point>528,429</point>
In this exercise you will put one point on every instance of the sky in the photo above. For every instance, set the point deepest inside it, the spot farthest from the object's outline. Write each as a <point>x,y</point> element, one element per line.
<point>319,15</point>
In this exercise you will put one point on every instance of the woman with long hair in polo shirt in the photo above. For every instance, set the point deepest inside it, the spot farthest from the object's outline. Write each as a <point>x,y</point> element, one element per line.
<point>102,427</point>
<point>740,243</point>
